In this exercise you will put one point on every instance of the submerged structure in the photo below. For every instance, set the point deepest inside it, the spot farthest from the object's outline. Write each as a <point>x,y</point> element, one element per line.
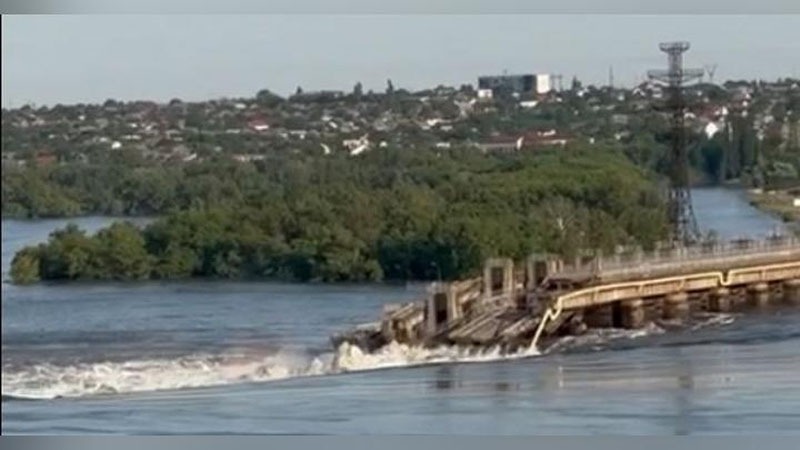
<point>512,307</point>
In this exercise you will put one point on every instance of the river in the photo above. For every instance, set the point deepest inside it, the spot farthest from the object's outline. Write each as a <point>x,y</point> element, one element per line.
<point>250,357</point>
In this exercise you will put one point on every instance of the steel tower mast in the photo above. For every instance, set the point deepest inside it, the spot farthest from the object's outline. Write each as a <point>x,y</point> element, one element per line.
<point>681,213</point>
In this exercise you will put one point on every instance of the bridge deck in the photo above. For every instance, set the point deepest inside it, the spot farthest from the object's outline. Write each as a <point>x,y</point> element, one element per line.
<point>498,309</point>
<point>682,261</point>
<point>607,293</point>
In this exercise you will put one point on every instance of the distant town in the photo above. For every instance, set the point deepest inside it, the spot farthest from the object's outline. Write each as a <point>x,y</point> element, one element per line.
<point>505,113</point>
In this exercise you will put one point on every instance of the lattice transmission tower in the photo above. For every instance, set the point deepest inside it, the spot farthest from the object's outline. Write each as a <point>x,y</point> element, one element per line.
<point>681,213</point>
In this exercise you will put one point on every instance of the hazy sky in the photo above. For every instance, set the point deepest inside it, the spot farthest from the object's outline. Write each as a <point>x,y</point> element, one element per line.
<point>70,59</point>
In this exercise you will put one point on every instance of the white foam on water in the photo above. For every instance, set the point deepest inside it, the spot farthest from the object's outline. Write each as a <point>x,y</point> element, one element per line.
<point>48,381</point>
<point>350,358</point>
<point>599,336</point>
<point>712,319</point>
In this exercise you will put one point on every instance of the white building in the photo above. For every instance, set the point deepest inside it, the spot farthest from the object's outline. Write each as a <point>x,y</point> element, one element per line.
<point>543,84</point>
<point>356,146</point>
<point>248,158</point>
<point>485,94</point>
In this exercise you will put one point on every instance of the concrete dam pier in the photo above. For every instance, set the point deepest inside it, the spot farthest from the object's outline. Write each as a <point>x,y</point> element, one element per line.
<point>526,305</point>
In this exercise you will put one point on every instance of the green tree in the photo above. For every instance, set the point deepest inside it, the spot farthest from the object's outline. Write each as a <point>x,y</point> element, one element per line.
<point>358,91</point>
<point>175,263</point>
<point>69,254</point>
<point>25,266</point>
<point>268,99</point>
<point>122,254</point>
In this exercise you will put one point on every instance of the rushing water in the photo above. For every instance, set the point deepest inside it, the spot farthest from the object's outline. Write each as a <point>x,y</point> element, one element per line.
<point>246,357</point>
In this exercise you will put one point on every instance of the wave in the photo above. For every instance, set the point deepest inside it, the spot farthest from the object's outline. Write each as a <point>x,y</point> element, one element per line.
<point>350,358</point>
<point>596,338</point>
<point>49,381</point>
<point>15,398</point>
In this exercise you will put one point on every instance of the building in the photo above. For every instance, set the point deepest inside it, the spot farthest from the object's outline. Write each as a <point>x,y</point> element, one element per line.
<point>258,125</point>
<point>501,144</point>
<point>246,158</point>
<point>45,158</point>
<point>549,138</point>
<point>516,84</point>
<point>317,96</point>
<point>356,146</point>
<point>543,85</point>
<point>530,140</point>
<point>485,94</point>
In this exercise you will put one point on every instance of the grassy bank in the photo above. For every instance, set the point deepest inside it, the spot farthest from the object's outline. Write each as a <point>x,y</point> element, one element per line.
<point>778,202</point>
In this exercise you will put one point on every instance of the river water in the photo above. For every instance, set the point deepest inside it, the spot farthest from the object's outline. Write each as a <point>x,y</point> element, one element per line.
<point>248,357</point>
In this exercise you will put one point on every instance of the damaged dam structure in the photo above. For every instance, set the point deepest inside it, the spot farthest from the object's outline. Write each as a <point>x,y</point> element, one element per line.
<point>512,306</point>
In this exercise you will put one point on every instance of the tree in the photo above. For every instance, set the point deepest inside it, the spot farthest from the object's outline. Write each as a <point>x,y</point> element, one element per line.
<point>576,84</point>
<point>268,99</point>
<point>712,159</point>
<point>25,266</point>
<point>358,91</point>
<point>389,87</point>
<point>175,263</point>
<point>69,255</point>
<point>122,254</point>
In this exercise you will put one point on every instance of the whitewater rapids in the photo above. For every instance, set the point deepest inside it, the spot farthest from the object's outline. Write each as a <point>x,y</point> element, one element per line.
<point>49,381</point>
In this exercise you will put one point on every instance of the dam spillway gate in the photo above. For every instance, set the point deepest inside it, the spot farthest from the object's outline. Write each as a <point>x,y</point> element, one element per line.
<point>525,305</point>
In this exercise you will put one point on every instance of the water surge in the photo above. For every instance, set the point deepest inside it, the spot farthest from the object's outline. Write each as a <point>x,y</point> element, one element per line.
<point>50,381</point>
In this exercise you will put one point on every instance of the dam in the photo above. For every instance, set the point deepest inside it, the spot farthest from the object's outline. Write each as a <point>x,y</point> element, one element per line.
<point>513,305</point>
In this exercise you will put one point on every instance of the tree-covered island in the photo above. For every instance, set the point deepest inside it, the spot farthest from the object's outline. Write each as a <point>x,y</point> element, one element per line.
<point>388,215</point>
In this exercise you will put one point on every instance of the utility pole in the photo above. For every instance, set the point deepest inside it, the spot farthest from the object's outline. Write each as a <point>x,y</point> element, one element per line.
<point>681,212</point>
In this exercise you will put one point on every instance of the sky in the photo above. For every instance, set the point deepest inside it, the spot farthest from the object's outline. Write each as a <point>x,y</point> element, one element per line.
<point>52,59</point>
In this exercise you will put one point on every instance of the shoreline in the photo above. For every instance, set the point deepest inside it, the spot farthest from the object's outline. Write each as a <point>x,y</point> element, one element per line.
<point>778,203</point>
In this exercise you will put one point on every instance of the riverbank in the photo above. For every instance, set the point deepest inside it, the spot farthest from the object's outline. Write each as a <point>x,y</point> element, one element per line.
<point>784,204</point>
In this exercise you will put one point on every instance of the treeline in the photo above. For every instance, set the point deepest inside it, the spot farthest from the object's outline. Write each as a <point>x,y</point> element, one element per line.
<point>737,152</point>
<point>126,185</point>
<point>411,214</point>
